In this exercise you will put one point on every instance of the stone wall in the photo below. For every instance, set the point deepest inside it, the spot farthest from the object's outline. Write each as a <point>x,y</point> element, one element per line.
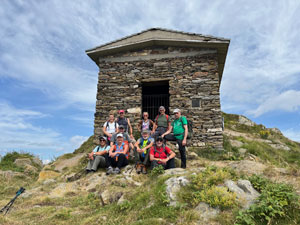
<point>192,74</point>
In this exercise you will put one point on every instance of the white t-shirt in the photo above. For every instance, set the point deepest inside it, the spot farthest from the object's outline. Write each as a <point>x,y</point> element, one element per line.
<point>111,128</point>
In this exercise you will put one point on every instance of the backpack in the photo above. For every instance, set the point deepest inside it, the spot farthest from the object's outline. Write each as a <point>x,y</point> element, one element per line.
<point>108,124</point>
<point>167,117</point>
<point>159,153</point>
<point>190,127</point>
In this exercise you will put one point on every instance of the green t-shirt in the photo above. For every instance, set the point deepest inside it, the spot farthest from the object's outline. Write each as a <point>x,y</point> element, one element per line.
<point>178,128</point>
<point>162,121</point>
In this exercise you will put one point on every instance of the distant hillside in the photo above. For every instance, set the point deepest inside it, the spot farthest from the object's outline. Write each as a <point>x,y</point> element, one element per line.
<point>254,180</point>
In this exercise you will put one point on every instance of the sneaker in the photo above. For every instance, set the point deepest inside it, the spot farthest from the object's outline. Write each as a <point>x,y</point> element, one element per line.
<point>144,169</point>
<point>117,170</point>
<point>138,168</point>
<point>109,170</point>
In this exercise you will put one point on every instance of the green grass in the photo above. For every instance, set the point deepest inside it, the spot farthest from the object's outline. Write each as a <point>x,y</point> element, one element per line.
<point>7,162</point>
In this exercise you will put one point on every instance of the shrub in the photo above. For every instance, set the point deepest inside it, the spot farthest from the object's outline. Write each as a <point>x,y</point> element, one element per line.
<point>264,134</point>
<point>157,171</point>
<point>277,203</point>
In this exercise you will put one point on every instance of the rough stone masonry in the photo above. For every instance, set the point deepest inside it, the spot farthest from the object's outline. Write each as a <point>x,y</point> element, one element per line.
<point>193,75</point>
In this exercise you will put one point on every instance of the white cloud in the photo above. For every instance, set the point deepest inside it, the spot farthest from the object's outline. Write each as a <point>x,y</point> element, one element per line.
<point>76,141</point>
<point>292,134</point>
<point>286,101</point>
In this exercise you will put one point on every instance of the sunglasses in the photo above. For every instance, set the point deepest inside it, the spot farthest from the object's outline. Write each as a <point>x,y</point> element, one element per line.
<point>102,140</point>
<point>121,113</point>
<point>159,140</point>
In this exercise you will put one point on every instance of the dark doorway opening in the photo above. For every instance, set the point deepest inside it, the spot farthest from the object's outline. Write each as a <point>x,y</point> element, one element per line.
<point>155,94</point>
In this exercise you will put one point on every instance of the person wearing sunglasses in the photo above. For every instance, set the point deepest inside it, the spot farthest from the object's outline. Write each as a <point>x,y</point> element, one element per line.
<point>161,155</point>
<point>145,123</point>
<point>97,156</point>
<point>122,120</point>
<point>180,132</point>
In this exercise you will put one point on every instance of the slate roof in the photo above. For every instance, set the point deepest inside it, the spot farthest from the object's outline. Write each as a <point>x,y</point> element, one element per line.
<point>160,36</point>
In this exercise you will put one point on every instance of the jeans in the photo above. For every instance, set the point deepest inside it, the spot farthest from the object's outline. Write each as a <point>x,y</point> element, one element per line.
<point>171,137</point>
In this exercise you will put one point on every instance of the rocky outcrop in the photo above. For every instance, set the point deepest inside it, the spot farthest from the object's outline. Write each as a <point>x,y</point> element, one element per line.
<point>244,191</point>
<point>173,186</point>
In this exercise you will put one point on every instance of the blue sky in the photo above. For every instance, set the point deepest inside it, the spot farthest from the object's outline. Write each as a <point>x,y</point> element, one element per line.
<point>48,83</point>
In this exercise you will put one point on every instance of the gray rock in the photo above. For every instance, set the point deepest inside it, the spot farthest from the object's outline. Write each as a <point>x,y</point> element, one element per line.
<point>280,147</point>
<point>244,191</point>
<point>244,120</point>
<point>173,186</point>
<point>23,162</point>
<point>49,181</point>
<point>236,143</point>
<point>242,151</point>
<point>206,212</point>
<point>8,174</point>
<point>37,161</point>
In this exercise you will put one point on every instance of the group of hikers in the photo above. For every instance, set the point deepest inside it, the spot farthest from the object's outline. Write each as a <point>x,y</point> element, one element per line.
<point>149,150</point>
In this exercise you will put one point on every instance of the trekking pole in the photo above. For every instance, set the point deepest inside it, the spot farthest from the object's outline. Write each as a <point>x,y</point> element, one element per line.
<point>11,202</point>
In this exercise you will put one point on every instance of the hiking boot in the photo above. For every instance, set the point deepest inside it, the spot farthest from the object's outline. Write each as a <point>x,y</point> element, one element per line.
<point>138,168</point>
<point>144,169</point>
<point>109,170</point>
<point>117,170</point>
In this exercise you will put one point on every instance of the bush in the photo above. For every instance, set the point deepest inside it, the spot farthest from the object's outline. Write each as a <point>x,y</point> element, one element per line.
<point>277,204</point>
<point>7,162</point>
<point>157,171</point>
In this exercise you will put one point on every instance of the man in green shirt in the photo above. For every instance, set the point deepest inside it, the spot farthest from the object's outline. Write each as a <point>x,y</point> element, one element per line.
<point>180,132</point>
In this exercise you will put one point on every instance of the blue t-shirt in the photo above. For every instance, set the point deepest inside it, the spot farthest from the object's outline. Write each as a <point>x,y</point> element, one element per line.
<point>100,149</point>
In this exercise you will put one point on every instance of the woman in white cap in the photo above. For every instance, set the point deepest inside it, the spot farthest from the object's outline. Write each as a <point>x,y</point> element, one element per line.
<point>118,156</point>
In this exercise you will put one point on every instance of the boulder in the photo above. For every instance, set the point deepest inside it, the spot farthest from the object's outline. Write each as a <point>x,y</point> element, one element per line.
<point>206,212</point>
<point>37,161</point>
<point>236,143</point>
<point>244,191</point>
<point>29,169</point>
<point>47,174</point>
<point>248,167</point>
<point>62,189</point>
<point>173,186</point>
<point>244,120</point>
<point>8,174</point>
<point>23,162</point>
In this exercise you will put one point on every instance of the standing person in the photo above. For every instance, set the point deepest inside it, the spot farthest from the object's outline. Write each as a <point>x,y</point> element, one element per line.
<point>141,151</point>
<point>145,123</point>
<point>110,127</point>
<point>122,120</point>
<point>161,155</point>
<point>97,156</point>
<point>161,123</point>
<point>180,132</point>
<point>117,157</point>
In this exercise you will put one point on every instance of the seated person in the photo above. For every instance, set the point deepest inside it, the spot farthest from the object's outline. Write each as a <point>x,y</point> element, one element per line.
<point>126,137</point>
<point>97,156</point>
<point>110,127</point>
<point>145,123</point>
<point>141,151</point>
<point>161,155</point>
<point>117,157</point>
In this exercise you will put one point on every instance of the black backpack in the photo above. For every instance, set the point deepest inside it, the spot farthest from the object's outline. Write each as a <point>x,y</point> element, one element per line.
<point>190,127</point>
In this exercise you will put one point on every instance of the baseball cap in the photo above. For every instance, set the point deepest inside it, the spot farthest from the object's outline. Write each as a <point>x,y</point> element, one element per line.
<point>121,126</point>
<point>119,135</point>
<point>162,107</point>
<point>176,110</point>
<point>144,131</point>
<point>159,138</point>
<point>102,138</point>
<point>121,111</point>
